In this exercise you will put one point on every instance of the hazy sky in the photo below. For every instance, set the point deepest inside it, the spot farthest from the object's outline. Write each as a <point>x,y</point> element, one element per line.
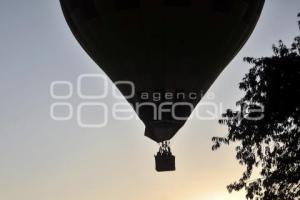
<point>43,159</point>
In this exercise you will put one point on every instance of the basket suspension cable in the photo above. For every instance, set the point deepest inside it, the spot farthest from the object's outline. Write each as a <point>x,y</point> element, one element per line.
<point>165,147</point>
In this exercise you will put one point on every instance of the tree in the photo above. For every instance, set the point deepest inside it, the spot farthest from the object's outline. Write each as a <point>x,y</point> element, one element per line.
<point>272,143</point>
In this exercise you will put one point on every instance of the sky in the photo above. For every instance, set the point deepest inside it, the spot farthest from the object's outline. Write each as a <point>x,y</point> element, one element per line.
<point>45,159</point>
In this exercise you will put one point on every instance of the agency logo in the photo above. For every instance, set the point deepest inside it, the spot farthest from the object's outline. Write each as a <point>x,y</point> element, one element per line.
<point>62,109</point>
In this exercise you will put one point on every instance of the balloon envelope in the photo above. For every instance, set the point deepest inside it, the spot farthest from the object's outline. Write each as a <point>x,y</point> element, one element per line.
<point>170,50</point>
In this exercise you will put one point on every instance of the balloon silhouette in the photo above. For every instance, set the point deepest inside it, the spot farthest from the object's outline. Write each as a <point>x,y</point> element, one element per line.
<point>170,51</point>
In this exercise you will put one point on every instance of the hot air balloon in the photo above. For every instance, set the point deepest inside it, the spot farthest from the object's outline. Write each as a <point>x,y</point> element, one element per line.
<point>174,48</point>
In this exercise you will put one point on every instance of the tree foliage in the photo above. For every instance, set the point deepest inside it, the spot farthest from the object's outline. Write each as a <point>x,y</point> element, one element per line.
<point>270,144</point>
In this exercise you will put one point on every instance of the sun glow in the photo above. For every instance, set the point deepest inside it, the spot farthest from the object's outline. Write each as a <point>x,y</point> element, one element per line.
<point>224,196</point>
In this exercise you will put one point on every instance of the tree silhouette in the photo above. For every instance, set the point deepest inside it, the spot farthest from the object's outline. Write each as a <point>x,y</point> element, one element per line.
<point>270,144</point>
